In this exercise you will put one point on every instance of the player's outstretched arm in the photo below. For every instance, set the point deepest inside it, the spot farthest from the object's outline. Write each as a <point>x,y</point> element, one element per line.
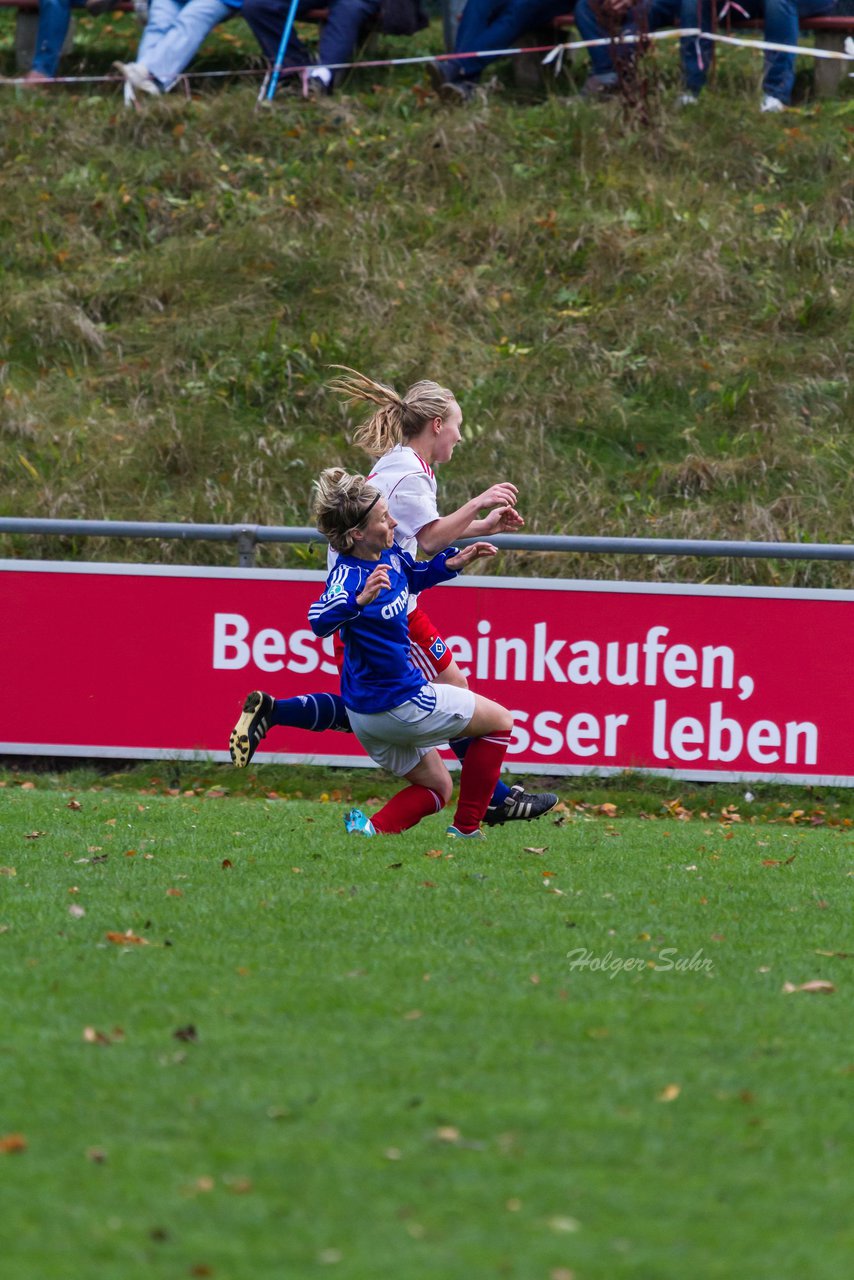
<point>464,522</point>
<point>475,551</point>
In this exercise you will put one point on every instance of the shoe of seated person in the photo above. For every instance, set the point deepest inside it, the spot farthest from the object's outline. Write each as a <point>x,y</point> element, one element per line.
<point>357,823</point>
<point>138,77</point>
<point>772,104</point>
<point>520,806</point>
<point>317,86</point>
<point>459,91</point>
<point>456,834</point>
<point>252,727</point>
<point>600,86</point>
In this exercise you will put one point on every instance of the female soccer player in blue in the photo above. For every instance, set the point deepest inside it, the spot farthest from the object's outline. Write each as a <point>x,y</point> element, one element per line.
<point>398,716</point>
<point>407,436</point>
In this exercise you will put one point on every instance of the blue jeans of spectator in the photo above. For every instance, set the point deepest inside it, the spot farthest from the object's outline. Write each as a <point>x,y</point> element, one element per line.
<point>696,53</point>
<point>54,17</point>
<point>267,18</point>
<point>339,35</point>
<point>174,33</point>
<point>496,24</point>
<point>781,27</point>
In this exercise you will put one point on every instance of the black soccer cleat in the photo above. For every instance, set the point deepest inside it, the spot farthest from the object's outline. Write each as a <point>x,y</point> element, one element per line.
<point>520,805</point>
<point>251,728</point>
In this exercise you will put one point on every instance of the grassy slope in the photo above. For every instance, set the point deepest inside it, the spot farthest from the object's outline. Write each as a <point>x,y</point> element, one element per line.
<point>649,327</point>
<point>394,1058</point>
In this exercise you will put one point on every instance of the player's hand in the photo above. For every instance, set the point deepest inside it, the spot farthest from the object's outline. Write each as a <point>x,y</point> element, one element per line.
<point>502,520</point>
<point>502,494</point>
<point>476,551</point>
<point>377,581</point>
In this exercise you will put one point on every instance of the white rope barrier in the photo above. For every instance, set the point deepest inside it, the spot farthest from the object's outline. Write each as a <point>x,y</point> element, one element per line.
<point>552,53</point>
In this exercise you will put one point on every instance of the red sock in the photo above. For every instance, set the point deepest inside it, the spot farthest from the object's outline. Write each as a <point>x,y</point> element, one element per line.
<point>406,808</point>
<point>481,768</point>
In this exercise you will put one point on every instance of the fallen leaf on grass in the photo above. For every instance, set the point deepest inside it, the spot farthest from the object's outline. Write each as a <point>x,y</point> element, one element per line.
<point>413,1015</point>
<point>93,1036</point>
<point>34,835</point>
<point>8,871</point>
<point>433,853</point>
<point>126,939</point>
<point>226,863</point>
<point>174,893</point>
<point>74,804</point>
<point>448,1133</point>
<point>96,1154</point>
<point>532,848</point>
<point>817,987</point>
<point>76,912</point>
<point>12,1144</point>
<point>843,955</point>
<point>669,1093</point>
<point>564,1225</point>
<point>188,1033</point>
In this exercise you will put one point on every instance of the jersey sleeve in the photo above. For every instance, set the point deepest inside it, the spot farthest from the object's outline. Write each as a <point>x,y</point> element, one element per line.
<point>413,504</point>
<point>337,605</point>
<point>422,574</point>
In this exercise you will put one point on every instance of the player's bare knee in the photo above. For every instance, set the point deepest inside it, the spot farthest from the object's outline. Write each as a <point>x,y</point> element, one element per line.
<point>505,721</point>
<point>445,790</point>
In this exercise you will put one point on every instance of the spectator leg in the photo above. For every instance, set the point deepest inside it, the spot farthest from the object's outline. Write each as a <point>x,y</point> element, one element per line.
<point>339,36</point>
<point>266,20</point>
<point>487,25</point>
<point>782,27</point>
<point>52,34</point>
<point>174,34</point>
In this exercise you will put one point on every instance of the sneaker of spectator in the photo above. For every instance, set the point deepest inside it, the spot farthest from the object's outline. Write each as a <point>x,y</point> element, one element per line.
<point>449,85</point>
<point>138,79</point>
<point>771,104</point>
<point>601,86</point>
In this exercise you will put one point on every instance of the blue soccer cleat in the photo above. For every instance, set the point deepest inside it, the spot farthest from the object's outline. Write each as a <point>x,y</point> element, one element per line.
<point>358,824</point>
<point>477,834</point>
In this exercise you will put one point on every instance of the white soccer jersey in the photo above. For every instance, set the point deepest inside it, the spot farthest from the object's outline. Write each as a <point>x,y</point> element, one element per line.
<point>409,487</point>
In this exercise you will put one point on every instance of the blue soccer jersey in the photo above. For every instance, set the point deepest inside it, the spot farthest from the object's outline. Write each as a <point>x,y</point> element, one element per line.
<point>377,672</point>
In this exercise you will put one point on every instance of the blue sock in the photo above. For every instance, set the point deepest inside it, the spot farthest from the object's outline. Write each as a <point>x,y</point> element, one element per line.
<point>459,747</point>
<point>315,711</point>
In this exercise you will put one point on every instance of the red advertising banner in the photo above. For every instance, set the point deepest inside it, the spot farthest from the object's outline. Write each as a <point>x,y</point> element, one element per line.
<point>704,682</point>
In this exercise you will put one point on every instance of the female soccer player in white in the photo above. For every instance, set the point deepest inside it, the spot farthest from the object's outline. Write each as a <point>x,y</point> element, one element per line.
<point>398,716</point>
<point>407,436</point>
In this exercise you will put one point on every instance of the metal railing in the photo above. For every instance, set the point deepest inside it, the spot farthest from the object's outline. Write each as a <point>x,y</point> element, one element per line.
<point>248,536</point>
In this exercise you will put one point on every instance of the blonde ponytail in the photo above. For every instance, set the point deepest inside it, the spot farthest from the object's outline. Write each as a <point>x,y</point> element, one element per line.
<point>397,419</point>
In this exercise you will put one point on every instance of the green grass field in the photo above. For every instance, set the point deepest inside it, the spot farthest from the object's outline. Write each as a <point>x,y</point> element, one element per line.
<point>234,1042</point>
<point>314,1054</point>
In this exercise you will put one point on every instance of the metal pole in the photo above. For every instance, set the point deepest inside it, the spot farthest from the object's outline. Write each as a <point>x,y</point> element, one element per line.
<point>286,35</point>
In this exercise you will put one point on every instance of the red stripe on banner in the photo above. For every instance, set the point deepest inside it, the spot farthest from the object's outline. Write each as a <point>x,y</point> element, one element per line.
<point>707,682</point>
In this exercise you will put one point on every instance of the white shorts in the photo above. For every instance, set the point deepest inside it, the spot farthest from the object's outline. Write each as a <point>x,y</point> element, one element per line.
<point>400,738</point>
